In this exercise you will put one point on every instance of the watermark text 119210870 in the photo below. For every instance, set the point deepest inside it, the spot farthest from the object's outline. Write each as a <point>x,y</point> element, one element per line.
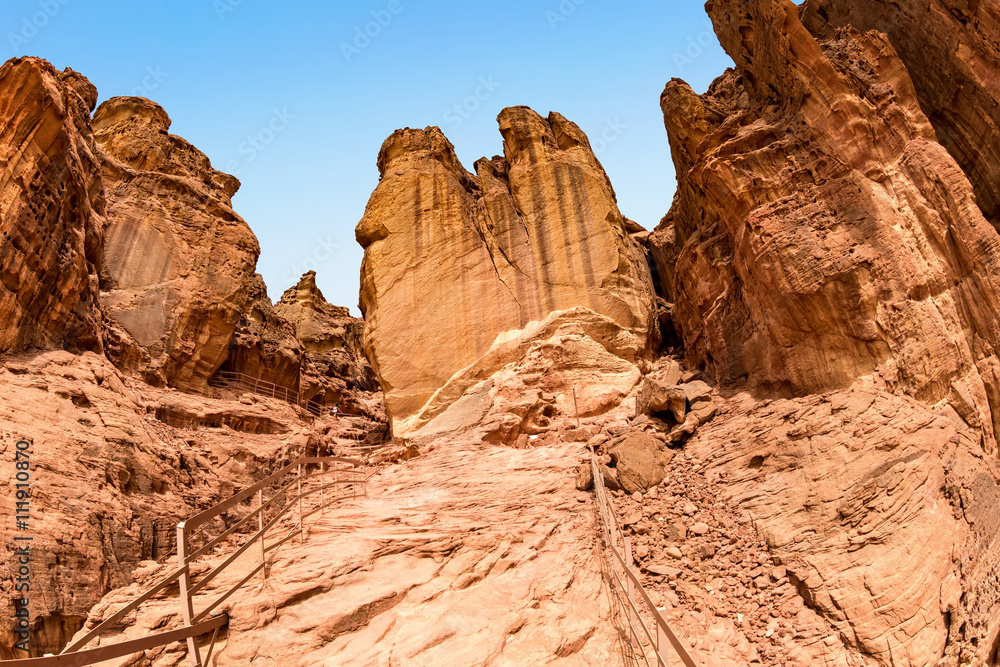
<point>22,544</point>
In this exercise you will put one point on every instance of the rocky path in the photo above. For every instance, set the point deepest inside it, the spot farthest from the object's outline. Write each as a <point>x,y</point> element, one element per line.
<point>468,555</point>
<point>702,560</point>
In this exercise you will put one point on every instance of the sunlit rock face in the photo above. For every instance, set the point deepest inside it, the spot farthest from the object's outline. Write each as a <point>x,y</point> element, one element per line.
<point>820,232</point>
<point>951,49</point>
<point>456,263</point>
<point>51,209</point>
<point>178,260</point>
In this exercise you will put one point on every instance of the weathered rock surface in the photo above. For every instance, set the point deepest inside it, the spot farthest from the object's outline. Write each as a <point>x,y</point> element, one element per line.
<point>819,232</point>
<point>178,261</point>
<point>337,369</point>
<point>51,210</point>
<point>883,516</point>
<point>115,464</point>
<point>639,460</point>
<point>264,345</point>
<point>447,562</point>
<point>457,263</point>
<point>572,364</point>
<point>952,52</point>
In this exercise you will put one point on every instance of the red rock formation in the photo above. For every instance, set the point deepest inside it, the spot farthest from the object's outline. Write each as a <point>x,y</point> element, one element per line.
<point>264,346</point>
<point>52,216</point>
<point>115,464</point>
<point>332,339</point>
<point>820,233</point>
<point>178,260</point>
<point>478,257</point>
<point>951,49</point>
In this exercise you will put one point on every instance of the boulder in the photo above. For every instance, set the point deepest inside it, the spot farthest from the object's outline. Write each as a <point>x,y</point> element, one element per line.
<point>656,397</point>
<point>640,461</point>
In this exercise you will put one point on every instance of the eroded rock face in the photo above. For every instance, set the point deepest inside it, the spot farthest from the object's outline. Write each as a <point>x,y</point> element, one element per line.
<point>178,259</point>
<point>264,346</point>
<point>454,261</point>
<point>52,217</point>
<point>952,51</point>
<point>820,233</point>
<point>115,465</point>
<point>446,562</point>
<point>882,515</point>
<point>337,368</point>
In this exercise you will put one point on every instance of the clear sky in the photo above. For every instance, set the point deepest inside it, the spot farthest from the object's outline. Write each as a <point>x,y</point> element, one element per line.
<point>296,99</point>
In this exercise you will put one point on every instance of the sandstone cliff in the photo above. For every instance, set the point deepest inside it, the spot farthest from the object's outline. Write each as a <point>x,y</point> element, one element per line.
<point>819,232</point>
<point>821,237</point>
<point>53,208</point>
<point>178,260</point>
<point>456,263</point>
<point>952,51</point>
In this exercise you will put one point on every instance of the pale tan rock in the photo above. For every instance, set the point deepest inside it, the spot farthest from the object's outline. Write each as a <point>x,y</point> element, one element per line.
<point>178,261</point>
<point>481,256</point>
<point>446,562</point>
<point>571,365</point>
<point>51,210</point>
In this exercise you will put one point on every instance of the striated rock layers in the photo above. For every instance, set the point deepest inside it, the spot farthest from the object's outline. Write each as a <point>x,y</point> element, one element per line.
<point>883,516</point>
<point>820,232</point>
<point>822,241</point>
<point>51,209</point>
<point>952,51</point>
<point>456,264</point>
<point>178,260</point>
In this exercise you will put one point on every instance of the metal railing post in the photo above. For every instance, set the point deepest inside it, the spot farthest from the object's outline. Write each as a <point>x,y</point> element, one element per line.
<point>260,527</point>
<point>662,641</point>
<point>301,530</point>
<point>187,606</point>
<point>322,489</point>
<point>630,592</point>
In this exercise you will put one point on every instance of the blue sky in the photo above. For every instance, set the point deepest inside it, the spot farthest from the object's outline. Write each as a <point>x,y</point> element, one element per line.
<point>296,99</point>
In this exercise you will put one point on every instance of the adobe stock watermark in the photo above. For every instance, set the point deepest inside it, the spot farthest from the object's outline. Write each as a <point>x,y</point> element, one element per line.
<point>613,129</point>
<point>324,251</point>
<point>694,48</point>
<point>461,111</point>
<point>223,7</point>
<point>562,13</point>
<point>363,35</point>
<point>150,82</point>
<point>255,144</point>
<point>33,23</point>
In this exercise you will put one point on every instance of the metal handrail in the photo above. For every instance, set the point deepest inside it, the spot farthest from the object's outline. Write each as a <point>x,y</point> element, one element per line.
<point>193,625</point>
<point>121,649</point>
<point>612,535</point>
<point>254,385</point>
